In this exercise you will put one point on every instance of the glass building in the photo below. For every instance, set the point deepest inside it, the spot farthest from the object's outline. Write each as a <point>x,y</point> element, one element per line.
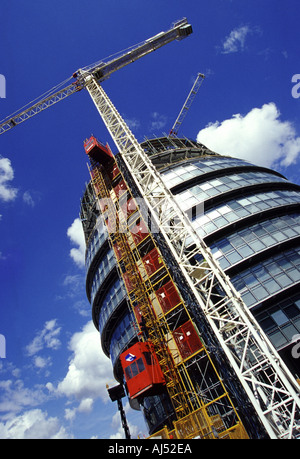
<point>250,218</point>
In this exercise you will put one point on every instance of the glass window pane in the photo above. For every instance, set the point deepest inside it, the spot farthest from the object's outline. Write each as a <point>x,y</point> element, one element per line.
<point>289,331</point>
<point>277,338</point>
<point>225,246</point>
<point>291,311</point>
<point>283,280</point>
<point>279,317</point>
<point>134,369</point>
<point>294,274</point>
<point>260,292</point>
<point>257,245</point>
<point>272,286</point>
<point>250,280</point>
<point>267,324</point>
<point>245,251</point>
<point>242,212</point>
<point>233,257</point>
<point>249,299</point>
<point>128,373</point>
<point>232,217</point>
<point>140,364</point>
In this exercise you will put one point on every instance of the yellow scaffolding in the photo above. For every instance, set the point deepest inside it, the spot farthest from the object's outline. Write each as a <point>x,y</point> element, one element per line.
<point>196,414</point>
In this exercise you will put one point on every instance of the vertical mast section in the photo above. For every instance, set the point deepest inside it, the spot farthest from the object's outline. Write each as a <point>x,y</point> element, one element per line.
<point>269,385</point>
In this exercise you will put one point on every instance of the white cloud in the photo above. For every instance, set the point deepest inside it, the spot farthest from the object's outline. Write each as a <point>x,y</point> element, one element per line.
<point>47,337</point>
<point>85,406</point>
<point>89,369</point>
<point>133,123</point>
<point>28,199</point>
<point>33,424</point>
<point>14,397</point>
<point>7,193</point>
<point>76,235</point>
<point>42,362</point>
<point>74,283</point>
<point>158,121</point>
<point>260,137</point>
<point>236,40</point>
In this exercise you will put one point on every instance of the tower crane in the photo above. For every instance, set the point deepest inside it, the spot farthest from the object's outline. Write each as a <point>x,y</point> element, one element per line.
<point>259,371</point>
<point>188,102</point>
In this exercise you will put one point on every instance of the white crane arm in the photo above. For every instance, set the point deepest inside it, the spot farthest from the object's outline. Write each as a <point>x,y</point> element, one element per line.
<point>100,71</point>
<point>187,104</point>
<point>18,118</point>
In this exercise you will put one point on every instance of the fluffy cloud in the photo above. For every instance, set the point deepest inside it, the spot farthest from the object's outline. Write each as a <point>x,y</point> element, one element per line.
<point>158,121</point>
<point>236,40</point>
<point>33,424</point>
<point>89,369</point>
<point>76,235</point>
<point>7,193</point>
<point>14,397</point>
<point>260,137</point>
<point>47,337</point>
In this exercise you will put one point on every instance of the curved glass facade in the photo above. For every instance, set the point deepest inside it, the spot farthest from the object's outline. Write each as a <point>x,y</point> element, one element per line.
<point>249,216</point>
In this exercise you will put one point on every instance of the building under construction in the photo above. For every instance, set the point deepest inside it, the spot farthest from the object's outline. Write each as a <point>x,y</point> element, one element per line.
<point>151,326</point>
<point>193,272</point>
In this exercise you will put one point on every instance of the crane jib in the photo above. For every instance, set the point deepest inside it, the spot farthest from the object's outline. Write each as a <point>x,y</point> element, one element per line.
<point>100,72</point>
<point>103,72</point>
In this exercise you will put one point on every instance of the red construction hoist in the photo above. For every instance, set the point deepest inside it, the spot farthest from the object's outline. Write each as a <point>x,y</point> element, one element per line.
<point>161,359</point>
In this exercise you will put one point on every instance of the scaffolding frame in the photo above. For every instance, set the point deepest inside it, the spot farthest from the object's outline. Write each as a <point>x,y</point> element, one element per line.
<point>185,397</point>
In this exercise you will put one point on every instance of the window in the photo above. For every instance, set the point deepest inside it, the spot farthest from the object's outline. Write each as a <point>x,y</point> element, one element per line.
<point>245,251</point>
<point>278,339</point>
<point>128,373</point>
<point>140,365</point>
<point>279,317</point>
<point>233,257</point>
<point>206,186</point>
<point>148,358</point>
<point>134,369</point>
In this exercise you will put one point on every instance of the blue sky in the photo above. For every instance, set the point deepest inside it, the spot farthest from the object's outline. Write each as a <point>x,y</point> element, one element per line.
<point>52,381</point>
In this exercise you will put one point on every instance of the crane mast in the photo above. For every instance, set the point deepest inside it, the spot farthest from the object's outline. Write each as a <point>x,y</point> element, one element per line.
<point>258,369</point>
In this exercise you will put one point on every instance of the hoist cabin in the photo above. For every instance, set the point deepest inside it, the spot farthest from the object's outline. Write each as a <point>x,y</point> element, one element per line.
<point>142,371</point>
<point>98,151</point>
